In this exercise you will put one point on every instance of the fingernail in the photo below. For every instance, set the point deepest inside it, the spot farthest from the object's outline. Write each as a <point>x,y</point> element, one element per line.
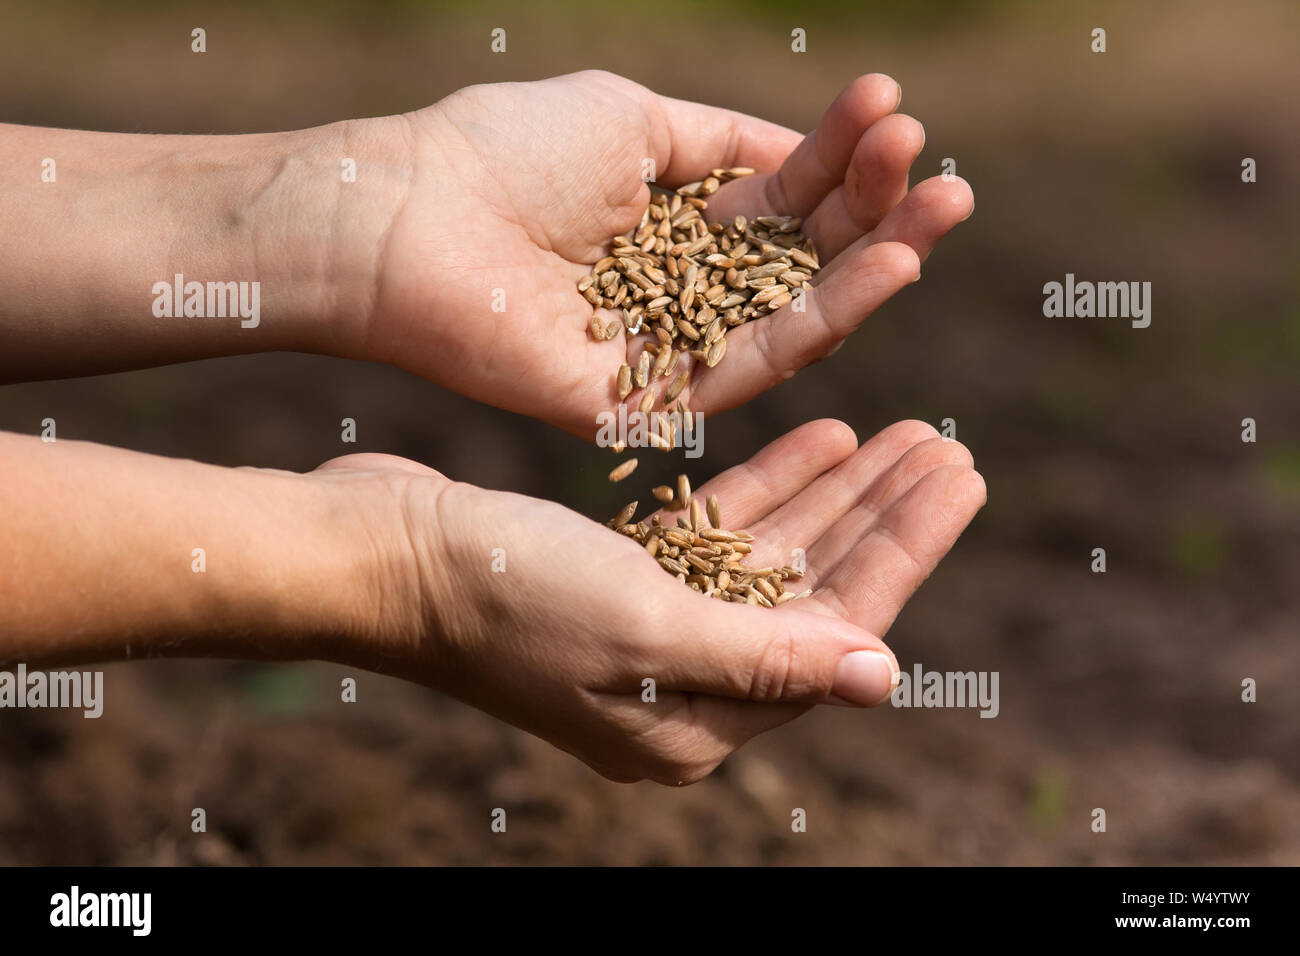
<point>899,101</point>
<point>864,678</point>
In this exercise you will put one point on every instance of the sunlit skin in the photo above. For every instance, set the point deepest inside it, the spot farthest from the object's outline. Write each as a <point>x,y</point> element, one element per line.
<point>385,564</point>
<point>562,642</point>
<point>519,187</point>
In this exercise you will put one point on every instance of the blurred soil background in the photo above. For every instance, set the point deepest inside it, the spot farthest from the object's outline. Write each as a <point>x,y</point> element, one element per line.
<point>1119,690</point>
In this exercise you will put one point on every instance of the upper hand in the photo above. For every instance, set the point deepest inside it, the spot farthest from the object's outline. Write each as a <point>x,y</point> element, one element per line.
<point>516,189</point>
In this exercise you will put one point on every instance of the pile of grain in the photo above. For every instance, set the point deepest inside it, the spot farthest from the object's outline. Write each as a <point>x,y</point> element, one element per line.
<point>707,558</point>
<point>689,281</point>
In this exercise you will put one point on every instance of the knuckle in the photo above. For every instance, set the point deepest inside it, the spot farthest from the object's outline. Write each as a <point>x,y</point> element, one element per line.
<point>774,668</point>
<point>784,674</point>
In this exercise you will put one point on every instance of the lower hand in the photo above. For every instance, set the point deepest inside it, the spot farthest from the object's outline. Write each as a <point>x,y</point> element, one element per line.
<point>561,643</point>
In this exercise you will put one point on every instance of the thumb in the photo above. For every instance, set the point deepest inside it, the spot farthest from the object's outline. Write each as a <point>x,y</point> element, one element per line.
<point>784,655</point>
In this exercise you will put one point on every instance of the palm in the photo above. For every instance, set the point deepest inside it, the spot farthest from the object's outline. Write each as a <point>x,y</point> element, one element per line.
<point>872,523</point>
<point>489,218</point>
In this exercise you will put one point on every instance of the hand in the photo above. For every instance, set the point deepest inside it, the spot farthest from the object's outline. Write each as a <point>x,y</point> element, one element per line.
<point>519,187</point>
<point>561,641</point>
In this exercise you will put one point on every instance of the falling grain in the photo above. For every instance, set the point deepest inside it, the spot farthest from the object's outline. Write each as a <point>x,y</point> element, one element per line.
<point>623,470</point>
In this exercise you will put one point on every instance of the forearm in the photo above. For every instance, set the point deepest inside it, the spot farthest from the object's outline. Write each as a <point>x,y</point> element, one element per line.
<point>84,257</point>
<point>106,554</point>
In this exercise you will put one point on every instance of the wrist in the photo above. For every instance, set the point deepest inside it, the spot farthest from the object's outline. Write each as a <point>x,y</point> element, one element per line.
<point>320,225</point>
<point>290,568</point>
<point>385,601</point>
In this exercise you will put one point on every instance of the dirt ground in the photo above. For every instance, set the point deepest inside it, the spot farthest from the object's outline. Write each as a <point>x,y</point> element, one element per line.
<point>1119,691</point>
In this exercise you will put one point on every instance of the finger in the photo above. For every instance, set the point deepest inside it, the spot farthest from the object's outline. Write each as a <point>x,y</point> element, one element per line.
<point>927,214</point>
<point>782,656</point>
<point>806,517</point>
<point>817,164</point>
<point>763,354</point>
<point>778,471</point>
<point>691,139</point>
<point>825,553</point>
<point>872,583</point>
<point>876,181</point>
